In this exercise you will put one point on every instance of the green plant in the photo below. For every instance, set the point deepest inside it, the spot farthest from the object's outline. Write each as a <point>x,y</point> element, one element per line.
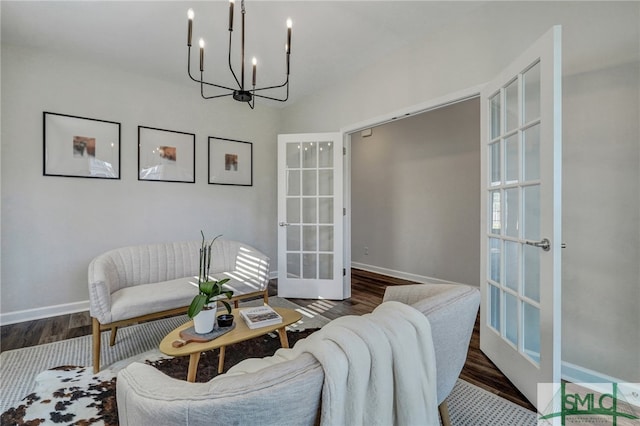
<point>209,289</point>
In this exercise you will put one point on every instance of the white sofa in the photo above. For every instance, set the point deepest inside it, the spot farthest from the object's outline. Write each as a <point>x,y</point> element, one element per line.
<point>137,283</point>
<point>275,392</point>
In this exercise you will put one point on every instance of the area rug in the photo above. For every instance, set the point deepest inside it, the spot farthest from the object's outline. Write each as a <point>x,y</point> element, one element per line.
<point>74,395</point>
<point>19,368</point>
<point>71,394</point>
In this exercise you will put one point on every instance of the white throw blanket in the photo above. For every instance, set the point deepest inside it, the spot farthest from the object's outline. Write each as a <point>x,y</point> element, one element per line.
<point>380,368</point>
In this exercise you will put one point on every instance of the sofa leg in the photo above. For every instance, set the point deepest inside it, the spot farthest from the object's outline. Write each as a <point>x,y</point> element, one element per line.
<point>95,332</point>
<point>112,340</point>
<point>443,409</point>
<point>266,297</point>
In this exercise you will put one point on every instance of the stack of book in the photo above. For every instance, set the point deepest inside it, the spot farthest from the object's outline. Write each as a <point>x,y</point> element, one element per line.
<point>260,316</point>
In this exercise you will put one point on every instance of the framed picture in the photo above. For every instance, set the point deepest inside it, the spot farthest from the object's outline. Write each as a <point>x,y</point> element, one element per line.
<point>166,155</point>
<point>230,162</point>
<point>80,147</point>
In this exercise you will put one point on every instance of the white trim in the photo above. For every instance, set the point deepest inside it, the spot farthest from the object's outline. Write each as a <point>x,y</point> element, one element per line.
<point>399,274</point>
<point>44,312</point>
<point>432,104</point>
<point>577,374</point>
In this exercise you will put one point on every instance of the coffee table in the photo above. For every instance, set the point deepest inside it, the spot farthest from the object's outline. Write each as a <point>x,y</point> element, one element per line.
<point>239,334</point>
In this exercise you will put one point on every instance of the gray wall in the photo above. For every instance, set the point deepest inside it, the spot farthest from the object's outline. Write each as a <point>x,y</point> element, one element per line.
<point>601,220</point>
<point>415,197</point>
<point>53,226</point>
<point>601,139</point>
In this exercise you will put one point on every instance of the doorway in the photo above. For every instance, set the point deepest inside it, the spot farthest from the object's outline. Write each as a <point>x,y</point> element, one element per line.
<point>414,195</point>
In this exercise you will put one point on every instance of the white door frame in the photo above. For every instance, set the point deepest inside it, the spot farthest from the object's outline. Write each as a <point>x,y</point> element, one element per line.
<point>317,286</point>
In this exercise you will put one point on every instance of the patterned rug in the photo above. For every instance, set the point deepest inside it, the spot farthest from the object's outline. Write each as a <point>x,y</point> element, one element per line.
<point>19,368</point>
<point>74,395</point>
<point>70,394</point>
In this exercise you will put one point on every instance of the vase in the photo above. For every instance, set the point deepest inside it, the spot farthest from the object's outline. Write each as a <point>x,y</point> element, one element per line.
<point>204,321</point>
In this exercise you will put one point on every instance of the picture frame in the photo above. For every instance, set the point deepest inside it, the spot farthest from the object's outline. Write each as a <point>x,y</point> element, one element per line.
<point>166,155</point>
<point>80,147</point>
<point>230,162</point>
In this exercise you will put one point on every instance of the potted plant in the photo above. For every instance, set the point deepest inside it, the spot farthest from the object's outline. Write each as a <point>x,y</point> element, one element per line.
<point>203,307</point>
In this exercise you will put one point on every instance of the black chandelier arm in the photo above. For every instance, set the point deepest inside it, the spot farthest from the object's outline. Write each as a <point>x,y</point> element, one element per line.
<point>278,86</point>
<point>255,95</point>
<point>202,81</point>
<point>230,66</point>
<point>213,97</point>
<point>272,87</point>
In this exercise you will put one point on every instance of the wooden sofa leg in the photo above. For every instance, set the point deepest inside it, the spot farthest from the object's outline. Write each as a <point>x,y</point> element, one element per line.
<point>112,340</point>
<point>443,409</point>
<point>235,304</point>
<point>266,297</point>
<point>95,331</point>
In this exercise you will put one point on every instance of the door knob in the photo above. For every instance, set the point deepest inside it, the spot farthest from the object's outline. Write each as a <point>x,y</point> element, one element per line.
<point>544,244</point>
<point>283,224</point>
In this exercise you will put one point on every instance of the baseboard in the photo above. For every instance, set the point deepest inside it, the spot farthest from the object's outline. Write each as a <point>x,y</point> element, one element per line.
<point>45,312</point>
<point>399,274</point>
<point>577,374</point>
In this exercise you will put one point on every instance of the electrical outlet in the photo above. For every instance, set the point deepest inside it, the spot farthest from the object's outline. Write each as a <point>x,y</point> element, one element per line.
<point>366,251</point>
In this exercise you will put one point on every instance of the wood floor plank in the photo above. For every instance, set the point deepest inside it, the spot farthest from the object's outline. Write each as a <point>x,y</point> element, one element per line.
<point>367,291</point>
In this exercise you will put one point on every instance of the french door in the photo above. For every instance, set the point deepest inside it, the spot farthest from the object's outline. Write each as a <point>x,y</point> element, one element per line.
<point>310,216</point>
<point>521,217</point>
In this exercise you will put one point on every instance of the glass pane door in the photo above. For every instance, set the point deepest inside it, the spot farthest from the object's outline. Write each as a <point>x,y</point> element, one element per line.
<point>521,197</point>
<point>309,213</point>
<point>310,219</point>
<point>513,196</point>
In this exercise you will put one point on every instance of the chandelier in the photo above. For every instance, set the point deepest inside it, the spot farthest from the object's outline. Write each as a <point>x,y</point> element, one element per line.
<point>241,92</point>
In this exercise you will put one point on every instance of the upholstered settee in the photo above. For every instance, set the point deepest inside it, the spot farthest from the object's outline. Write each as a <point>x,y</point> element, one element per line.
<point>132,284</point>
<point>280,391</point>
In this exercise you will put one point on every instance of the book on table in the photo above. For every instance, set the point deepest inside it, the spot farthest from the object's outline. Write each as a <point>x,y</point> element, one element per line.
<point>260,316</point>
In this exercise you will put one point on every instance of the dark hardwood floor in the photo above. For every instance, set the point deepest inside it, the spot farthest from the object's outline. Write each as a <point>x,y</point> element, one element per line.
<point>367,290</point>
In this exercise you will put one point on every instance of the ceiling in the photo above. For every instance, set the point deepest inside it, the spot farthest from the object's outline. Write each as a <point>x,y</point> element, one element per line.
<point>331,39</point>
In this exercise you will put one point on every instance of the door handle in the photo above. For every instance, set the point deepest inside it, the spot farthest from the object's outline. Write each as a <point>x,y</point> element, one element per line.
<point>544,244</point>
<point>283,224</point>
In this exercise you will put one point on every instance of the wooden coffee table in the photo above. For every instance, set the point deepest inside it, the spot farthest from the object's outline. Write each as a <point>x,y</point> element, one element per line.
<point>239,334</point>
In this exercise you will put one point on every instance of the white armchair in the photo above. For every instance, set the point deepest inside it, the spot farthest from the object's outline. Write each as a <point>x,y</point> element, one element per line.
<point>452,312</point>
<point>270,391</point>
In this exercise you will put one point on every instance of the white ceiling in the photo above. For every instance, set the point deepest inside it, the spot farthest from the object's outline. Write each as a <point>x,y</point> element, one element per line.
<point>331,39</point>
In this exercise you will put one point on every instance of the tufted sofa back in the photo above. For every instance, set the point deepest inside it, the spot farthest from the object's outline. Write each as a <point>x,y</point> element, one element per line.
<point>150,263</point>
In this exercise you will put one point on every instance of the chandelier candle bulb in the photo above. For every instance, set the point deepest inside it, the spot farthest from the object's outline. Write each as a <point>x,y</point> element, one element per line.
<point>190,15</point>
<point>201,55</point>
<point>231,2</point>
<point>255,63</point>
<point>289,25</point>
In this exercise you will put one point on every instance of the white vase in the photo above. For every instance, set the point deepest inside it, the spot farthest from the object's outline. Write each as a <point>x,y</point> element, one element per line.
<point>206,318</point>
